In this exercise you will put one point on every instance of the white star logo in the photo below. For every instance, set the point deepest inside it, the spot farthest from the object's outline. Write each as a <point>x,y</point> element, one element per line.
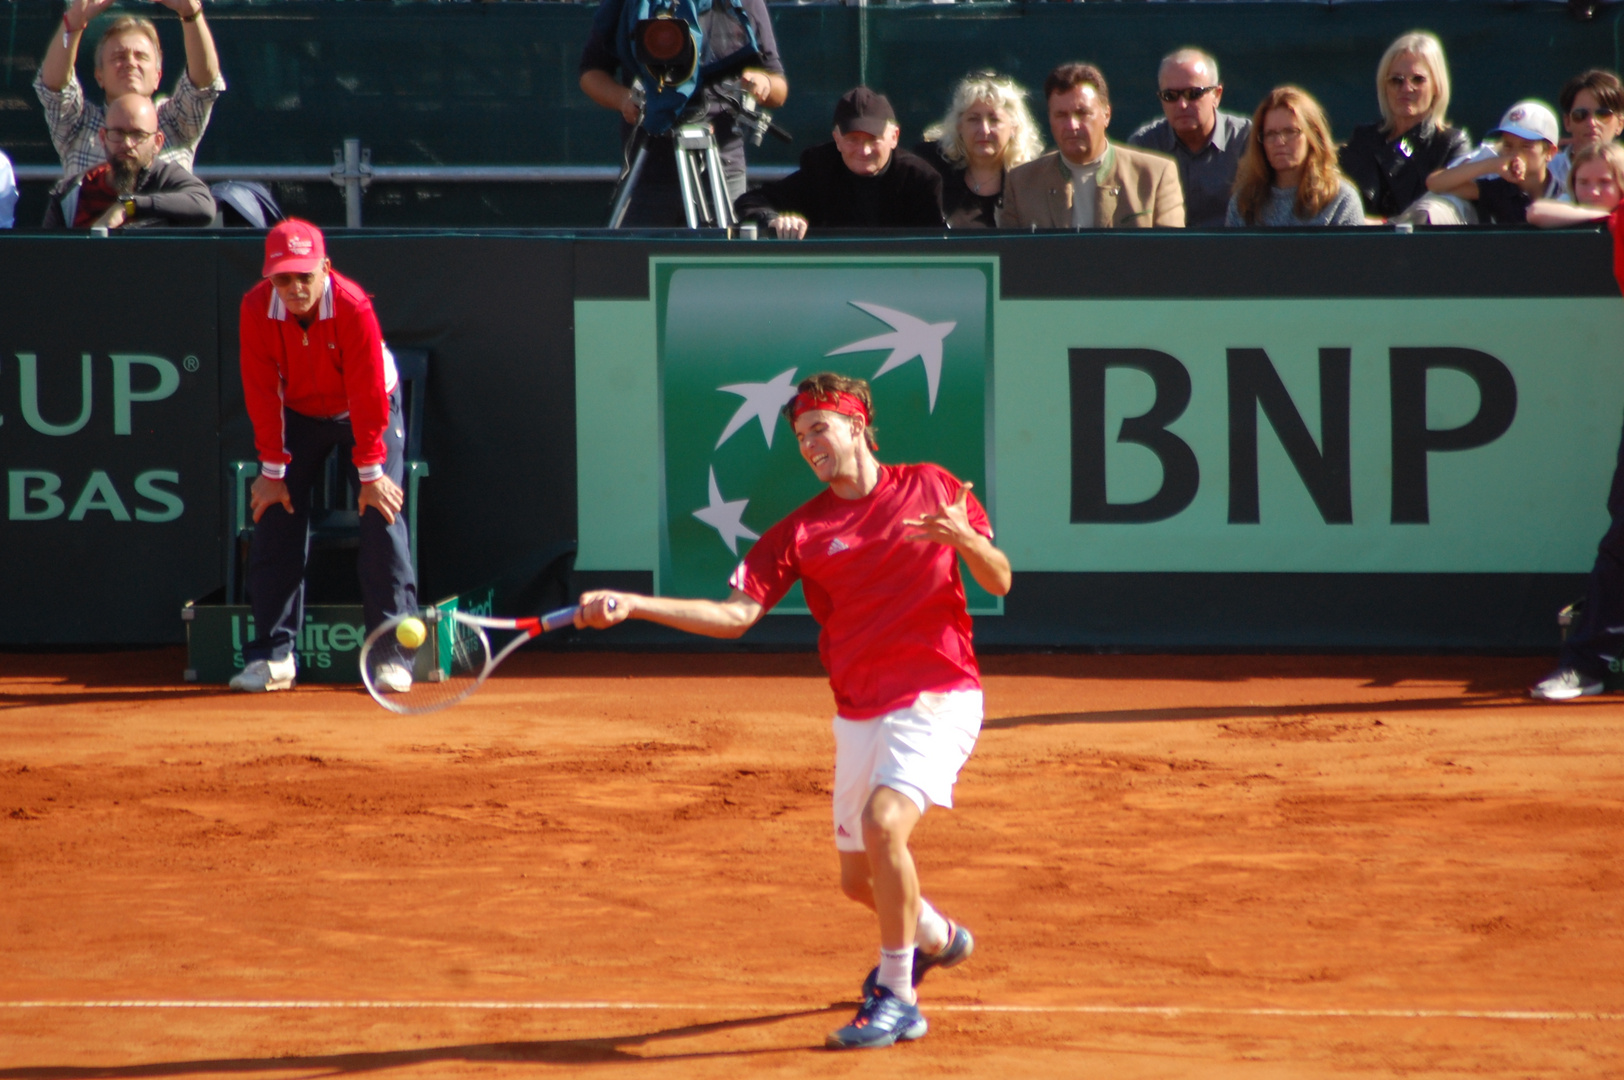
<point>909,337</point>
<point>726,517</point>
<point>762,400</point>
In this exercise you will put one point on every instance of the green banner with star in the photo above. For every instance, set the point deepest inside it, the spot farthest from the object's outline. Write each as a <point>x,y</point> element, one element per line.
<point>735,336</point>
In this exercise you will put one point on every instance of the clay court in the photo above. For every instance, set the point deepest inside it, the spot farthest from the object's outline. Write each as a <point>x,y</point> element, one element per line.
<point>618,866</point>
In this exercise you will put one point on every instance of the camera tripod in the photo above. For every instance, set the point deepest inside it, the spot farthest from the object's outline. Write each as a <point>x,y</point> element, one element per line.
<point>705,201</point>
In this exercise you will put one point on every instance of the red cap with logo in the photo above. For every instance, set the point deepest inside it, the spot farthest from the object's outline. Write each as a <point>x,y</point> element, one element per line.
<point>293,247</point>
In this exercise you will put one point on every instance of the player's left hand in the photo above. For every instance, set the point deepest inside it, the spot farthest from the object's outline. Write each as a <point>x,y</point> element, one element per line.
<point>949,525</point>
<point>384,496</point>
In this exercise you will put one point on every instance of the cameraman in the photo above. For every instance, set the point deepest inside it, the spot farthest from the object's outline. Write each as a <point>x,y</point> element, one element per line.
<point>657,201</point>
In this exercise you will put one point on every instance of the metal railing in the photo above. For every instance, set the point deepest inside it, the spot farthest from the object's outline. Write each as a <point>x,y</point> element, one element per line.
<point>352,170</point>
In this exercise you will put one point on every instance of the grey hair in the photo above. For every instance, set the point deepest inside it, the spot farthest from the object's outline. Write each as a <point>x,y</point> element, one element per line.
<point>1191,56</point>
<point>1431,51</point>
<point>1008,97</point>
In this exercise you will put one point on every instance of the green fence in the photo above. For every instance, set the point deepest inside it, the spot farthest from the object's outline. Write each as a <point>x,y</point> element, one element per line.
<point>495,83</point>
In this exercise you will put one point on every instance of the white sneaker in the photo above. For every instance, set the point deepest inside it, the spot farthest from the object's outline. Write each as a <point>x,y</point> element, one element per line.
<point>1565,684</point>
<point>392,678</point>
<point>262,675</point>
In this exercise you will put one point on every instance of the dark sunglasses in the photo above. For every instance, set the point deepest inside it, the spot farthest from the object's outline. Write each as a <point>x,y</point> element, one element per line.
<point>1192,94</point>
<point>1579,116</point>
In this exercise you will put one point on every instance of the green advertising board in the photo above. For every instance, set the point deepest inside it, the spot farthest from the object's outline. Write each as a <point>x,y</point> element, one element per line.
<point>1151,435</point>
<point>737,335</point>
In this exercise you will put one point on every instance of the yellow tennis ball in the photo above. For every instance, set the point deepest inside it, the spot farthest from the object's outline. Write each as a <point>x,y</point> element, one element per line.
<point>411,632</point>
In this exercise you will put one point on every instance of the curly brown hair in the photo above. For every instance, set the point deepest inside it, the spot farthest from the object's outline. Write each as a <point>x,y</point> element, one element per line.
<point>1320,179</point>
<point>825,383</point>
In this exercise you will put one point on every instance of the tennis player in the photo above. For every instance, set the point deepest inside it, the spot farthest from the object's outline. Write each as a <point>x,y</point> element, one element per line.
<point>878,558</point>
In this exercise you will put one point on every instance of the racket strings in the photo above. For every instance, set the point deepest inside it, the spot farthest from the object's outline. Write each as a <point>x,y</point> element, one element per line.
<point>447,668</point>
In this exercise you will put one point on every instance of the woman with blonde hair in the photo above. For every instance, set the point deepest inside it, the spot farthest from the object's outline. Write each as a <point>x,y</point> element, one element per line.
<point>1388,162</point>
<point>1288,175</point>
<point>987,131</point>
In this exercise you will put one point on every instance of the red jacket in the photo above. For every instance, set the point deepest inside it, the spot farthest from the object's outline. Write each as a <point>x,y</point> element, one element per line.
<point>339,366</point>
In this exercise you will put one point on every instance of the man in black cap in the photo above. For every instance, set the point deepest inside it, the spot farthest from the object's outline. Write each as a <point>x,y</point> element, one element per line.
<point>861,180</point>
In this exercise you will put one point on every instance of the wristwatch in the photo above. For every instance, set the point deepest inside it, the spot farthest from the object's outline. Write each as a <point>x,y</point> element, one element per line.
<point>129,207</point>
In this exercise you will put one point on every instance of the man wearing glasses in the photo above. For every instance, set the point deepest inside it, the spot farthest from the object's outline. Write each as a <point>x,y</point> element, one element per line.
<point>1205,143</point>
<point>128,61</point>
<point>132,188</point>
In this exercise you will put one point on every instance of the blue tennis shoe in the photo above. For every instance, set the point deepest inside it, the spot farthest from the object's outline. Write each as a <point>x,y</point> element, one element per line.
<point>883,1020</point>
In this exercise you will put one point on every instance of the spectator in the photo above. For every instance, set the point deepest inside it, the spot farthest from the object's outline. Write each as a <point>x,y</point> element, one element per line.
<point>987,131</point>
<point>316,375</point>
<point>1389,162</point>
<point>1593,112</point>
<point>1595,188</point>
<point>861,180</point>
<point>1089,182</point>
<point>131,188</point>
<point>1596,637</point>
<point>1503,186</point>
<point>1206,143</point>
<point>8,193</point>
<point>1289,174</point>
<point>128,61</point>
<point>657,201</point>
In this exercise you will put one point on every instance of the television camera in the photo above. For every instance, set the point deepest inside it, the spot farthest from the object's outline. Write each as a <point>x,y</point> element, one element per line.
<point>678,83</point>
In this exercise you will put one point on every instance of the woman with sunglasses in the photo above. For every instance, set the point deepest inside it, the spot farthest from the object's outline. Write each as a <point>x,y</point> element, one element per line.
<point>1388,162</point>
<point>1288,175</point>
<point>987,131</point>
<point>1593,113</point>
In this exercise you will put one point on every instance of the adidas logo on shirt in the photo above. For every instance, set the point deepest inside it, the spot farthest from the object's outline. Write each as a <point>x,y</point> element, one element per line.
<point>836,546</point>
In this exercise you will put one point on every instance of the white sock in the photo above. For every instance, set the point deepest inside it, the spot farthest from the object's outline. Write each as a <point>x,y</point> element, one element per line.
<point>931,934</point>
<point>896,972</point>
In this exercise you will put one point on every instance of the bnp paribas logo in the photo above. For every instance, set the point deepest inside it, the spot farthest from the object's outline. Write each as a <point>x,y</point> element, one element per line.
<point>737,335</point>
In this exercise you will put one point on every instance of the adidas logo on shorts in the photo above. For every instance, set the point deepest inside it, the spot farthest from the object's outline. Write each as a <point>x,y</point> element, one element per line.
<point>836,546</point>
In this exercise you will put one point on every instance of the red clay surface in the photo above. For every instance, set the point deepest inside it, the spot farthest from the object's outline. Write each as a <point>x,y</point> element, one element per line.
<point>1292,850</point>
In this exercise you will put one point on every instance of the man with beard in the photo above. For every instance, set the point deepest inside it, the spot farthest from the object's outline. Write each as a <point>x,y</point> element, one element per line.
<point>128,60</point>
<point>132,188</point>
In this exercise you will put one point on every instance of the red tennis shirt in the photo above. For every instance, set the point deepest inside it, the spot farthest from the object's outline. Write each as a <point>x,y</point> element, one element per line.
<point>892,610</point>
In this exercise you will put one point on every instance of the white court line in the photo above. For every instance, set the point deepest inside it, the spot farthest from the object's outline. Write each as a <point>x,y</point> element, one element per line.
<point>758,1008</point>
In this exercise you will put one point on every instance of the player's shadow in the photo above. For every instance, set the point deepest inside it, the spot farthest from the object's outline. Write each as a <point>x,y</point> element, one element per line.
<point>611,1049</point>
<point>1255,712</point>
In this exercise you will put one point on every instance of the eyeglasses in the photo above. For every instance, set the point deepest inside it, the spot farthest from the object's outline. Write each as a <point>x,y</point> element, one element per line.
<point>1416,81</point>
<point>1192,94</point>
<point>127,135</point>
<point>1283,135</point>
<point>1579,116</point>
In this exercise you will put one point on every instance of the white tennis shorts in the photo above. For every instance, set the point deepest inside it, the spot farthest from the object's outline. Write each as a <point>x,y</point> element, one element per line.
<point>917,751</point>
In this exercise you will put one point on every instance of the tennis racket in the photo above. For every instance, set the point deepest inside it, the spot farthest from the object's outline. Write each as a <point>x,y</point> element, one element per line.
<point>451,663</point>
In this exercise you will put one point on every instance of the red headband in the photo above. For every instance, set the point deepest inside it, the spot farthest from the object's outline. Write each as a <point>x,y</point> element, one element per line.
<point>837,401</point>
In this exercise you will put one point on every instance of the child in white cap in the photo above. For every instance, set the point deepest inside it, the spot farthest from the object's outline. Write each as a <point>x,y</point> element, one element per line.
<point>1504,185</point>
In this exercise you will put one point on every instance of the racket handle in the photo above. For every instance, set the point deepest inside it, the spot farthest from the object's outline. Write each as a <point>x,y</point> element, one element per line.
<point>557,620</point>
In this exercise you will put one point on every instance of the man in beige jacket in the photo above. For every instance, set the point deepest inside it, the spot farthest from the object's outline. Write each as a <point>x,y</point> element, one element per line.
<point>1090,182</point>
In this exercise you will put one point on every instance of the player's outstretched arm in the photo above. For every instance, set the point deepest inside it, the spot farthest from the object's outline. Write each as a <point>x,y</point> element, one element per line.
<point>728,618</point>
<point>950,525</point>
